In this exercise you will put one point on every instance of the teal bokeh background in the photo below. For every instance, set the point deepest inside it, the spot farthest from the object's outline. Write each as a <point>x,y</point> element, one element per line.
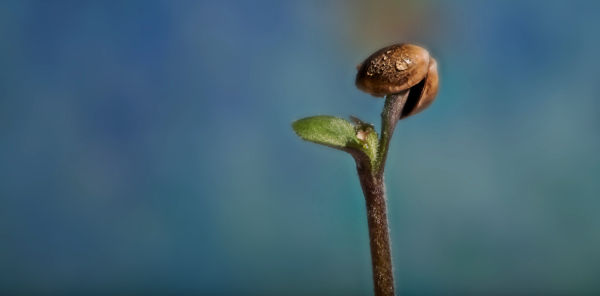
<point>146,148</point>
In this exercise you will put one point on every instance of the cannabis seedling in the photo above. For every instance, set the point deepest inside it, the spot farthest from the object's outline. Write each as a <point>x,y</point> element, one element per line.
<point>407,76</point>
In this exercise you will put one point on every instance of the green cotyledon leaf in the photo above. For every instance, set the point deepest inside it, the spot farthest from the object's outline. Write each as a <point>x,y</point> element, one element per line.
<point>338,133</point>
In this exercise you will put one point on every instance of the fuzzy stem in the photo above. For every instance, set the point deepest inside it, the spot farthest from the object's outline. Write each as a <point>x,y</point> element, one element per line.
<point>392,111</point>
<point>381,256</point>
<point>373,186</point>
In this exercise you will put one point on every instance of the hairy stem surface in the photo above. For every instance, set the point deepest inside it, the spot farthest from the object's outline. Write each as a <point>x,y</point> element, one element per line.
<point>381,256</point>
<point>392,111</point>
<point>371,181</point>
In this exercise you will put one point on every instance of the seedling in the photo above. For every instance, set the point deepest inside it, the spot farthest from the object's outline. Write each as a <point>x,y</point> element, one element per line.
<point>407,77</point>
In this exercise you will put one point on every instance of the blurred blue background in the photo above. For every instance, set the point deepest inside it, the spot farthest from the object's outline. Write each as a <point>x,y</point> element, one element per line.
<point>146,148</point>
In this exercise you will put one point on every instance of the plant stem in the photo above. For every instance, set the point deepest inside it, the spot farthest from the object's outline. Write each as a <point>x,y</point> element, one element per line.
<point>381,256</point>
<point>392,111</point>
<point>373,186</point>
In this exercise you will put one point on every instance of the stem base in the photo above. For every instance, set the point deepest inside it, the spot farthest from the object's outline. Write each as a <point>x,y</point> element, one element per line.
<point>381,257</point>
